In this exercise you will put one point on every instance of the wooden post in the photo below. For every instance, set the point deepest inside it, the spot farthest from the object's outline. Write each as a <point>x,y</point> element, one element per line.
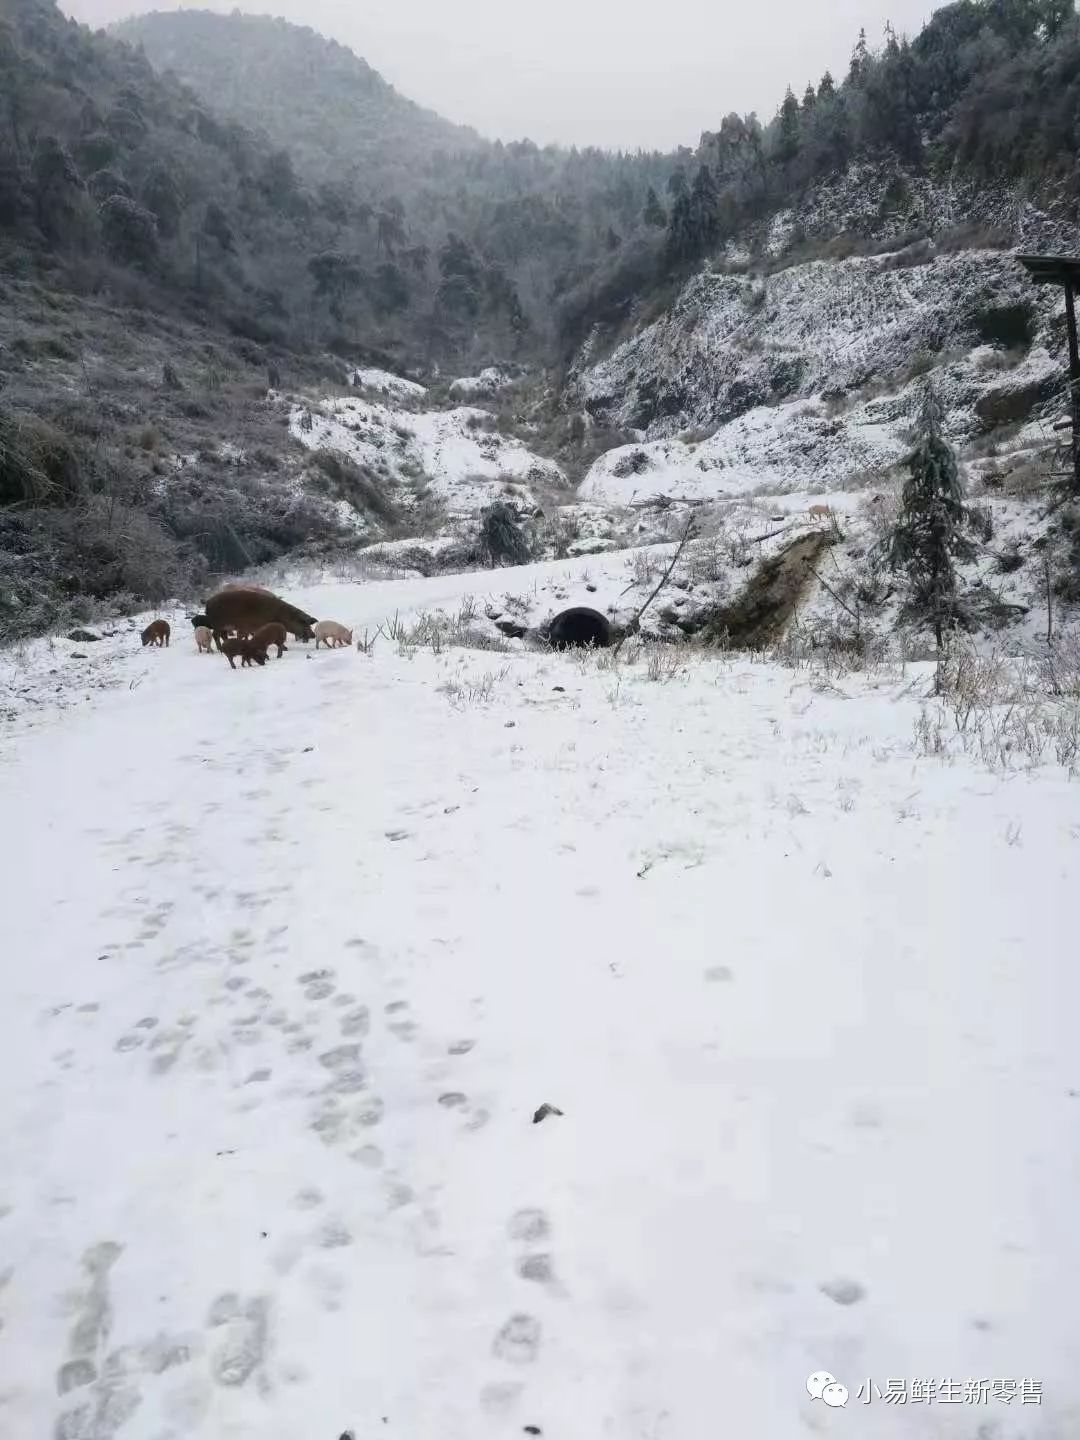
<point>1074,382</point>
<point>1049,603</point>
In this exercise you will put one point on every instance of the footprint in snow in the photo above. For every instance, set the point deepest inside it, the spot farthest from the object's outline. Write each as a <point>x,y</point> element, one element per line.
<point>843,1291</point>
<point>717,974</point>
<point>242,1348</point>
<point>518,1341</point>
<point>400,1023</point>
<point>529,1224</point>
<point>539,1268</point>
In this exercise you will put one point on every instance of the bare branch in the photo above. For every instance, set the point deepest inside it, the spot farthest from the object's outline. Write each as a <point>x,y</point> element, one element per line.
<point>635,623</point>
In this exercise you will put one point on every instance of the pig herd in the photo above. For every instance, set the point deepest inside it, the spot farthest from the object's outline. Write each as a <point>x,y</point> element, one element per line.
<point>245,622</point>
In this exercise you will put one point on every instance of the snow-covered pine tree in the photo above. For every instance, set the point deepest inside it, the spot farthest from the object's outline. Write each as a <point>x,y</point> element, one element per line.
<point>928,538</point>
<point>655,215</point>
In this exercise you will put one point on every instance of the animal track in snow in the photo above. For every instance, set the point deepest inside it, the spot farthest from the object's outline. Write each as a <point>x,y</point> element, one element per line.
<point>529,1224</point>
<point>843,1291</point>
<point>536,1267</point>
<point>518,1341</point>
<point>356,1022</point>
<point>243,1346</point>
<point>400,1022</point>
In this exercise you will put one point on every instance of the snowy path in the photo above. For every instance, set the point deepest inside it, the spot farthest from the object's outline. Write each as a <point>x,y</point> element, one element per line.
<point>292,956</point>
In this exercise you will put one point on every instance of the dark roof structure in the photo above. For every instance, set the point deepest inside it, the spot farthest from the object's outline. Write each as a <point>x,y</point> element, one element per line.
<point>1064,270</point>
<point>1052,269</point>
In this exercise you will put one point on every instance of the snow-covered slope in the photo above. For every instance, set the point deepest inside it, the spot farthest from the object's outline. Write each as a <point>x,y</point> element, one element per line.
<point>826,444</point>
<point>772,371</point>
<point>295,955</point>
<point>456,454</point>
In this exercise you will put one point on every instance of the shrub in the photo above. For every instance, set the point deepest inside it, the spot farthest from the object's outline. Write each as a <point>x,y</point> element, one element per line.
<point>38,463</point>
<point>358,487</point>
<point>501,537</point>
<point>130,231</point>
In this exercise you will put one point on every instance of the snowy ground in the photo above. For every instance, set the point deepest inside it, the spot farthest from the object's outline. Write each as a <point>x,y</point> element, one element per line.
<point>294,955</point>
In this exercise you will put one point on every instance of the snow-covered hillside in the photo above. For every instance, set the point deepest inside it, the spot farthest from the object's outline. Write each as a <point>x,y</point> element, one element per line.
<point>822,330</point>
<point>791,380</point>
<point>456,454</point>
<point>296,955</point>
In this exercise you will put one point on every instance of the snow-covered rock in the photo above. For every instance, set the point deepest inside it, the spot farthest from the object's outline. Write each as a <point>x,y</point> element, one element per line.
<point>489,382</point>
<point>383,382</point>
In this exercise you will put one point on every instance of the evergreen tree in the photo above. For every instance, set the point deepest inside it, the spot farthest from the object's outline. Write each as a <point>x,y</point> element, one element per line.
<point>336,277</point>
<point>809,99</point>
<point>677,184</point>
<point>14,85</point>
<point>216,226</point>
<point>694,227</point>
<point>860,59</point>
<point>1016,21</point>
<point>705,209</point>
<point>279,184</point>
<point>56,186</point>
<point>681,237</point>
<point>888,116</point>
<point>827,89</point>
<point>460,291</point>
<point>654,214</point>
<point>390,291</point>
<point>130,231</point>
<point>163,198</point>
<point>787,145</point>
<point>390,227</point>
<point>928,537</point>
<point>1054,15</point>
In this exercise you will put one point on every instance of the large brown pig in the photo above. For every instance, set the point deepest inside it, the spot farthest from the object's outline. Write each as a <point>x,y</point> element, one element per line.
<point>244,611</point>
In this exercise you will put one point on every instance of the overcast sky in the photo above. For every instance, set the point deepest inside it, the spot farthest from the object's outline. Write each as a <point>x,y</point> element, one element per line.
<point>617,73</point>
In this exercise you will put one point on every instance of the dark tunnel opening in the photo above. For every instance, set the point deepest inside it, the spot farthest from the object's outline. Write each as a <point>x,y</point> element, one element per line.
<point>579,627</point>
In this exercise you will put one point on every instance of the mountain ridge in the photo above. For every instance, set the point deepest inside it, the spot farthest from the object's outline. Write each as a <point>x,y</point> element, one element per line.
<point>214,53</point>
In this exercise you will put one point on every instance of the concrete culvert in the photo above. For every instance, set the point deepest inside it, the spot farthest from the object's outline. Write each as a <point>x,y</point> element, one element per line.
<point>579,627</point>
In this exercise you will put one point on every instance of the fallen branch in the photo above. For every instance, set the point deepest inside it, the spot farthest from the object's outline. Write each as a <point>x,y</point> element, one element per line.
<point>664,502</point>
<point>632,628</point>
<point>843,604</point>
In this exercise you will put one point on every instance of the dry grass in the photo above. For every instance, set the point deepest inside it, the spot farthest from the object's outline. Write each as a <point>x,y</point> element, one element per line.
<point>470,691</point>
<point>438,630</point>
<point>1007,712</point>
